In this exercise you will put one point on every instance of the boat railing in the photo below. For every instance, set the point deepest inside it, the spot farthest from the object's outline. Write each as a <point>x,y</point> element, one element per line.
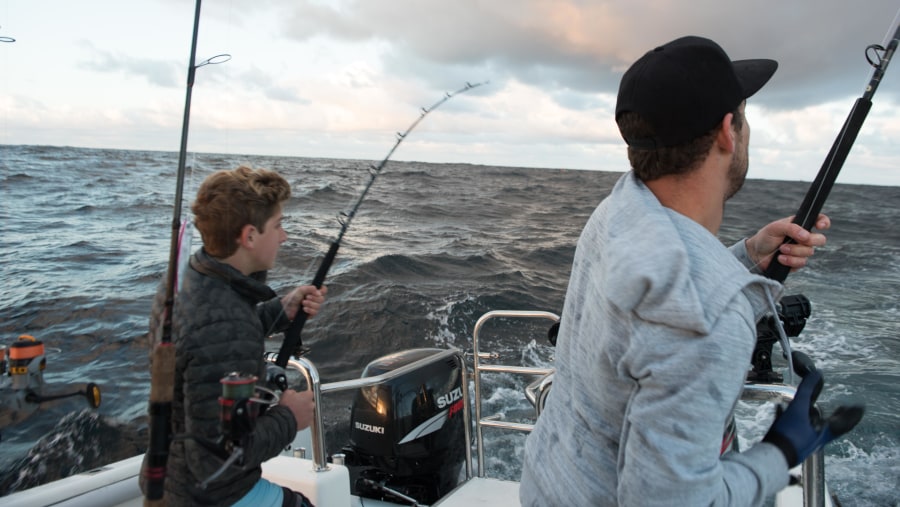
<point>493,421</point>
<point>813,468</point>
<point>317,428</point>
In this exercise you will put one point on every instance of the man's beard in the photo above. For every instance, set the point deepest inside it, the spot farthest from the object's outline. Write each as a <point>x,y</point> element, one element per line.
<point>737,171</point>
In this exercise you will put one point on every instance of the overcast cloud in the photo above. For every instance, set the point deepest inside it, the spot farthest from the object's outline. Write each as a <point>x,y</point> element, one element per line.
<point>336,78</point>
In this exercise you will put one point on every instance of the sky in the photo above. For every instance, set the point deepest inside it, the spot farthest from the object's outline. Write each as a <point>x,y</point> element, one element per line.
<point>338,78</point>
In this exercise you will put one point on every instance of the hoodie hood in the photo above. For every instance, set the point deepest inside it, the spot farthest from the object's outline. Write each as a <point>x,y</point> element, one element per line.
<point>666,284</point>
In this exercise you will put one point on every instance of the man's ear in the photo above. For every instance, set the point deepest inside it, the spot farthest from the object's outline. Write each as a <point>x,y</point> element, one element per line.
<point>726,138</point>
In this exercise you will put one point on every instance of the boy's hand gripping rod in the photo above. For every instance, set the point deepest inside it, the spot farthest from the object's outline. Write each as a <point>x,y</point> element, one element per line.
<point>292,341</point>
<point>806,216</point>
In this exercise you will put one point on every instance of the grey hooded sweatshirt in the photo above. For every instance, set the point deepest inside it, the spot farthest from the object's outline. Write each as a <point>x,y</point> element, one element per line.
<point>656,337</point>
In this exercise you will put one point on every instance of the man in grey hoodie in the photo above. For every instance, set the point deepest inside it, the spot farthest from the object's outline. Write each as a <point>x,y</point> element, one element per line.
<point>659,321</point>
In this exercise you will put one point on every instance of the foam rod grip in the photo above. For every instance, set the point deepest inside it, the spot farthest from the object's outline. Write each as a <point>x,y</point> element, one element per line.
<point>162,374</point>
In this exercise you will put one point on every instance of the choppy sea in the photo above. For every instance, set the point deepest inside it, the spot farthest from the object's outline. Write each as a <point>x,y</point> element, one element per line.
<point>86,236</point>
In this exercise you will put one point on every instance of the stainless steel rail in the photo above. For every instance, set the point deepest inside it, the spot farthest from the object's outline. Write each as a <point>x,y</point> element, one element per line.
<point>492,421</point>
<point>813,469</point>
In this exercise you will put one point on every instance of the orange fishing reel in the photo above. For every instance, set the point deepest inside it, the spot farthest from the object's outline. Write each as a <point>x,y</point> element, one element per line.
<point>26,364</point>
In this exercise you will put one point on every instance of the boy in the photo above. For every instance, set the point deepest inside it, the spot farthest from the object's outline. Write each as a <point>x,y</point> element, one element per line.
<point>222,316</point>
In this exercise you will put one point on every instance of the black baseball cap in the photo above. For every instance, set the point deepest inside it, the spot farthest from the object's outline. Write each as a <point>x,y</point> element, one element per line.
<point>685,87</point>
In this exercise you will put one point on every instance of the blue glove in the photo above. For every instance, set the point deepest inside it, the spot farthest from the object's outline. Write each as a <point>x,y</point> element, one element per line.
<point>800,430</point>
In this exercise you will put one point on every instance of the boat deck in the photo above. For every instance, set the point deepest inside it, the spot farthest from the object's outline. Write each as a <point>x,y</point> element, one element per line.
<point>479,491</point>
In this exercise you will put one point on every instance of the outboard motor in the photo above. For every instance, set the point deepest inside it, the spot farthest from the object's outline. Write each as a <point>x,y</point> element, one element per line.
<point>407,435</point>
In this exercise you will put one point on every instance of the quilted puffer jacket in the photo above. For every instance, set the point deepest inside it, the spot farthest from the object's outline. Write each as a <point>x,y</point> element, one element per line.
<point>221,319</point>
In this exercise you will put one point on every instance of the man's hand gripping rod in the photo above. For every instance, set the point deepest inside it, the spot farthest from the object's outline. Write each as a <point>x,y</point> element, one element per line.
<point>821,186</point>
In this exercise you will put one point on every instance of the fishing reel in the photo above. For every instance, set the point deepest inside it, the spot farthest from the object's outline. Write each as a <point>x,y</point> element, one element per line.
<point>240,405</point>
<point>276,377</point>
<point>792,312</point>
<point>27,363</point>
<point>22,385</point>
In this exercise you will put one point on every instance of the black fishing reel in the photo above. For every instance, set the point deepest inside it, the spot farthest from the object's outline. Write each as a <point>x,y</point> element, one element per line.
<point>276,377</point>
<point>792,312</point>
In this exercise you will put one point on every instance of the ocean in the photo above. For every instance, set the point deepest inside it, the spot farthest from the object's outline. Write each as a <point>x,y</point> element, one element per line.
<point>434,246</point>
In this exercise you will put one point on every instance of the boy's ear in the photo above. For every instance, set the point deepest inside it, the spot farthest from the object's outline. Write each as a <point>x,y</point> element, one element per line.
<point>248,235</point>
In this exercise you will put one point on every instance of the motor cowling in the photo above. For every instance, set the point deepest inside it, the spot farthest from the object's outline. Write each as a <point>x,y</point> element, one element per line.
<point>407,434</point>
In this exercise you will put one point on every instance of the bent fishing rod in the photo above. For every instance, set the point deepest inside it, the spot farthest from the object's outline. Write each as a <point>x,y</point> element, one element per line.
<point>162,371</point>
<point>878,57</point>
<point>292,342</point>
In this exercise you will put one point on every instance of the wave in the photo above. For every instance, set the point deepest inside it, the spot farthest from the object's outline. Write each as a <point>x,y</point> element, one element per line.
<point>80,442</point>
<point>17,178</point>
<point>434,247</point>
<point>425,269</point>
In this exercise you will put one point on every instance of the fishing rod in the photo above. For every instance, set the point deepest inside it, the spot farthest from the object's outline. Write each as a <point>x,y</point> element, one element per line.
<point>794,310</point>
<point>878,57</point>
<point>162,371</point>
<point>292,342</point>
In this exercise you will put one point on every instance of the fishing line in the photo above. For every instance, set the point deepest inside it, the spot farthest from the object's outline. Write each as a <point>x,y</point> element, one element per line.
<point>292,343</point>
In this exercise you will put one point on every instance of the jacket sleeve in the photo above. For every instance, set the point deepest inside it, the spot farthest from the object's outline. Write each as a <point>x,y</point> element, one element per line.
<point>267,439</point>
<point>686,387</point>
<point>739,250</point>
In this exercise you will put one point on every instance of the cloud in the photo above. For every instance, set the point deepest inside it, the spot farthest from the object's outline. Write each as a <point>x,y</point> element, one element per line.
<point>339,77</point>
<point>158,72</point>
<point>586,45</point>
<point>270,86</point>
